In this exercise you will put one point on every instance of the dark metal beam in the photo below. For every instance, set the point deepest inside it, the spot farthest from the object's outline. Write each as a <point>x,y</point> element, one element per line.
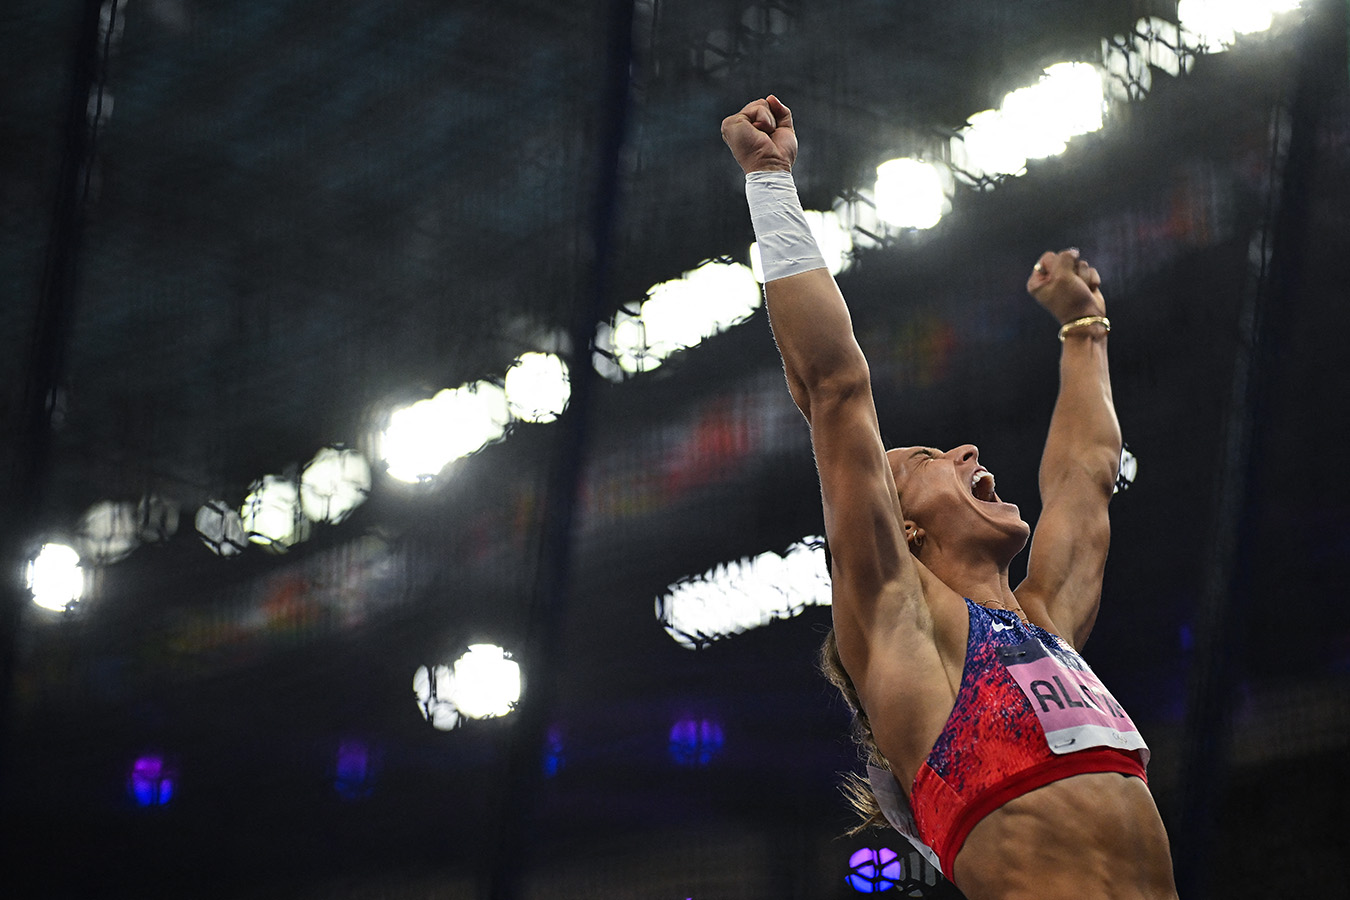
<point>1227,603</point>
<point>553,573</point>
<point>30,434</point>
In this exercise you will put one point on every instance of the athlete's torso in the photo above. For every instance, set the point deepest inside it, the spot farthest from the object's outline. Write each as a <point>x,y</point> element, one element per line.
<point>1029,711</point>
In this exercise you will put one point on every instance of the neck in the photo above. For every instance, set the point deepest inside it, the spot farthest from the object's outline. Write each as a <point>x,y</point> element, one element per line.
<point>984,581</point>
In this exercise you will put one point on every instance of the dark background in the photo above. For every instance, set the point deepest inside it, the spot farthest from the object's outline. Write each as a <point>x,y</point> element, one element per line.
<point>290,214</point>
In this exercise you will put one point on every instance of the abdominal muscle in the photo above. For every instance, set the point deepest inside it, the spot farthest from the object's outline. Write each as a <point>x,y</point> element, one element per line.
<point>1085,837</point>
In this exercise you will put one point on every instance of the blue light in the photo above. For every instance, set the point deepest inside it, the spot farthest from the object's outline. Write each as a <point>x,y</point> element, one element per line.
<point>874,871</point>
<point>150,782</point>
<point>554,759</point>
<point>354,776</point>
<point>694,742</point>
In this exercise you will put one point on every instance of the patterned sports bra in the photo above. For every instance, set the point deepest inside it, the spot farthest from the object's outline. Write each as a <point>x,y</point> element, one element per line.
<point>1029,711</point>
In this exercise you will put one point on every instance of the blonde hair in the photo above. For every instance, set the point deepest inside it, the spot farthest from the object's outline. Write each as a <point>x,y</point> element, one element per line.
<point>856,788</point>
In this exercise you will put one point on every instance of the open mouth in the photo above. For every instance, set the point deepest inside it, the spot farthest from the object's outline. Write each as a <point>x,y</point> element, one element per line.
<point>982,486</point>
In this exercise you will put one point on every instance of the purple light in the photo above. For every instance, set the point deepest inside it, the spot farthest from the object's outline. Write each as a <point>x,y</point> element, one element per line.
<point>150,782</point>
<point>354,776</point>
<point>554,758</point>
<point>874,871</point>
<point>694,742</point>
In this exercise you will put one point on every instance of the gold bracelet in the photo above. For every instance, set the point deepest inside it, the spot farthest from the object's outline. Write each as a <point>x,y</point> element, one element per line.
<point>1086,320</point>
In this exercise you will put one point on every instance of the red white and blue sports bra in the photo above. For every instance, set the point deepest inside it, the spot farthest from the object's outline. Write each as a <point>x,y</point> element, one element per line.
<point>1029,711</point>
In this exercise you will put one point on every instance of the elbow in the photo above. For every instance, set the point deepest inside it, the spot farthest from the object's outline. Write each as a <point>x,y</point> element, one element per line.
<point>1106,467</point>
<point>838,378</point>
<point>1098,468</point>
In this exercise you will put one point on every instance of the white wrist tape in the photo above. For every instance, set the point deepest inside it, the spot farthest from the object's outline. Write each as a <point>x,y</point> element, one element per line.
<point>786,246</point>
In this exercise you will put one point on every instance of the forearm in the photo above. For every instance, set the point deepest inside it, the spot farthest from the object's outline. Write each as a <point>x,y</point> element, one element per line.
<point>1084,437</point>
<point>810,320</point>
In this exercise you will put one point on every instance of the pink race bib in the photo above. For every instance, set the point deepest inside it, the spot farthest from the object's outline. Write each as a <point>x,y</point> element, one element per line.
<point>1074,708</point>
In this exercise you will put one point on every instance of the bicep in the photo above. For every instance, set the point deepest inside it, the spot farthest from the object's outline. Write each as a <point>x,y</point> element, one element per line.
<point>876,581</point>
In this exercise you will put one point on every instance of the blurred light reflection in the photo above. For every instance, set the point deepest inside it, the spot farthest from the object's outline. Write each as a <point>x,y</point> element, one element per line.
<point>221,528</point>
<point>354,770</point>
<point>695,742</point>
<point>271,513</point>
<point>109,532</point>
<point>334,483</point>
<point>433,687</point>
<point>554,752</point>
<point>156,519</point>
<point>1215,24</point>
<point>151,781</point>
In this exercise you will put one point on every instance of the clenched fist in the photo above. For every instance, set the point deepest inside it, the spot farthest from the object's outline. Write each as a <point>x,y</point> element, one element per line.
<point>1067,286</point>
<point>761,136</point>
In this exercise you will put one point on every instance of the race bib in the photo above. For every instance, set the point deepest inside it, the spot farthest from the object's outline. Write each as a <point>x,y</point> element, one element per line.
<point>1074,708</point>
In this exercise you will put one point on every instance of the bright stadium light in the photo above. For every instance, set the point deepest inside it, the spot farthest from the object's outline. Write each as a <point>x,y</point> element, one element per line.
<point>998,143</point>
<point>676,315</point>
<point>425,437</point>
<point>734,597</point>
<point>1215,24</point>
<point>55,577</point>
<point>487,682</point>
<point>484,683</point>
<point>538,386</point>
<point>704,301</point>
<point>909,194</point>
<point>988,147</point>
<point>1073,91</point>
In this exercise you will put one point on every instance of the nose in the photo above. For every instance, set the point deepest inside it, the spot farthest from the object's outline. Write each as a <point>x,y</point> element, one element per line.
<point>966,453</point>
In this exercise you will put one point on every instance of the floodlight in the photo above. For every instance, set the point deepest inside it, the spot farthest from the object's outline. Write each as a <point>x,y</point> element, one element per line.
<point>271,513</point>
<point>333,483</point>
<point>55,577</point>
<point>425,437</point>
<point>538,387</point>
<point>909,194</point>
<point>748,593</point>
<point>486,683</point>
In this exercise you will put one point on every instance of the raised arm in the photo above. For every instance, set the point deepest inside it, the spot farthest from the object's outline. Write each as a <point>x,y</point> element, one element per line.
<point>1082,454</point>
<point>876,587</point>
